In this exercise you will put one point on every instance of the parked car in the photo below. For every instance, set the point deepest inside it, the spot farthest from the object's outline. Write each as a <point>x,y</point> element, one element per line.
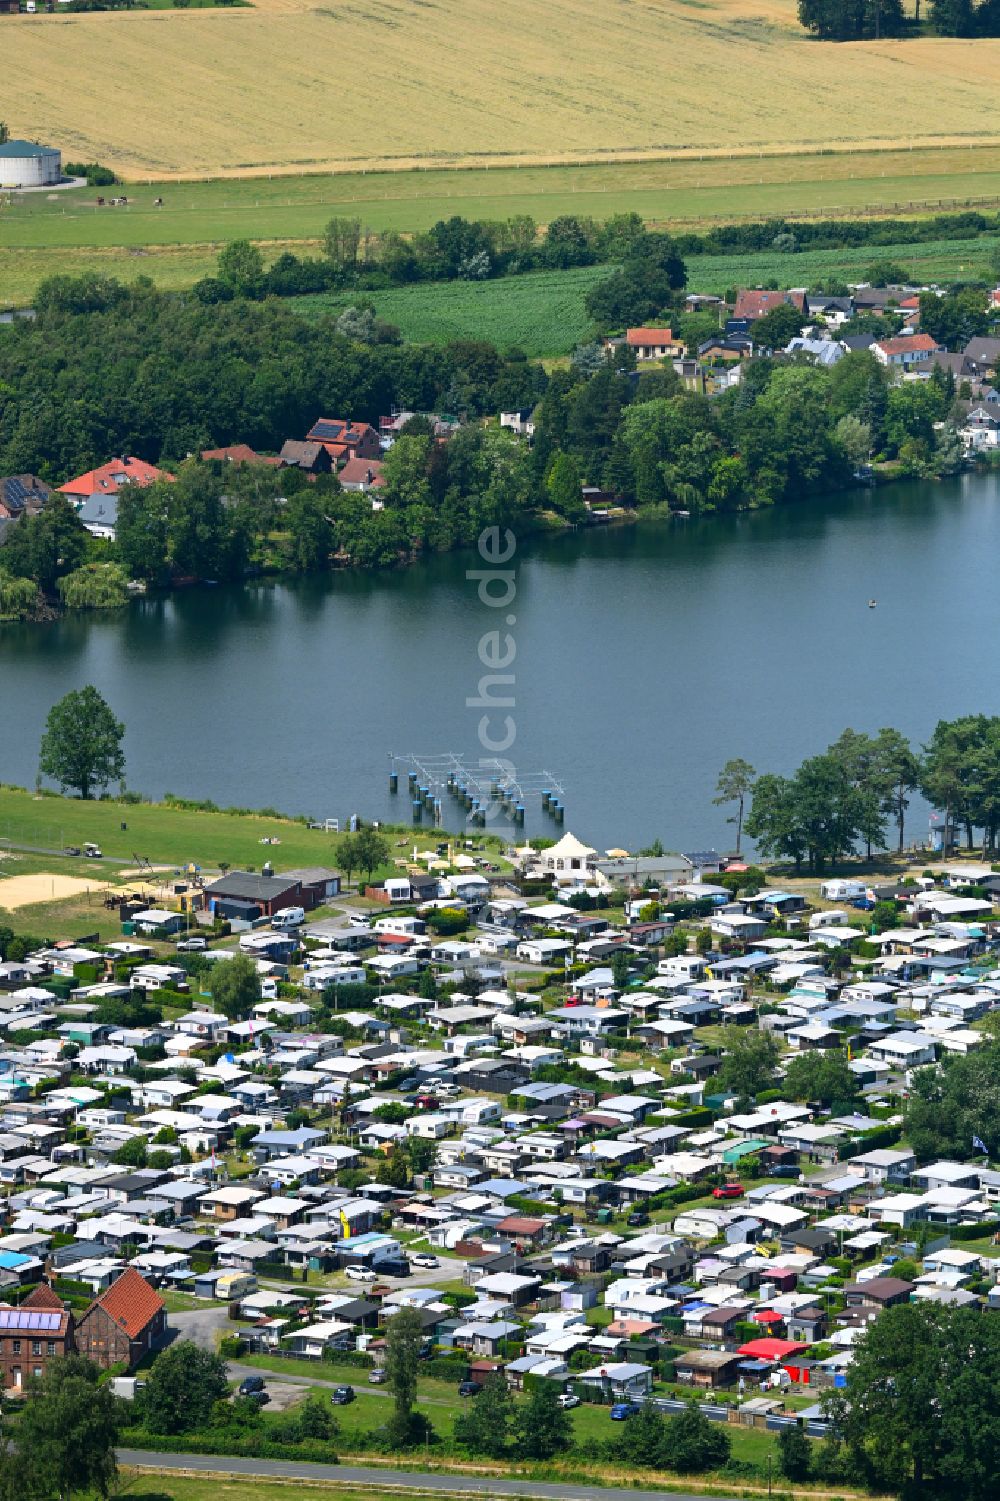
<point>260,1399</point>
<point>729,1191</point>
<point>358,920</point>
<point>392,1266</point>
<point>568,1399</point>
<point>469,1388</point>
<point>638,1217</point>
<point>71,849</point>
<point>250,1385</point>
<point>424,1258</point>
<point>360,1274</point>
<point>378,1376</point>
<point>783,1170</point>
<point>621,1411</point>
<point>93,852</point>
<point>341,1395</point>
<point>192,945</point>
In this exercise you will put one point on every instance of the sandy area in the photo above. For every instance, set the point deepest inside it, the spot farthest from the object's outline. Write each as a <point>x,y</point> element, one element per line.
<point>25,891</point>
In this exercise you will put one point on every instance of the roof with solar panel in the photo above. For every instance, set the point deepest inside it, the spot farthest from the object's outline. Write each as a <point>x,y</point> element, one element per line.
<point>39,1320</point>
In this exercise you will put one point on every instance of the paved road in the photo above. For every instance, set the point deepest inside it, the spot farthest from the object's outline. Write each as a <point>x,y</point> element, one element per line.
<point>377,1478</point>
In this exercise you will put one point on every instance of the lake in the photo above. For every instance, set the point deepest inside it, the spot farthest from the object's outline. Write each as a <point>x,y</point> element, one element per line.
<point>646,656</point>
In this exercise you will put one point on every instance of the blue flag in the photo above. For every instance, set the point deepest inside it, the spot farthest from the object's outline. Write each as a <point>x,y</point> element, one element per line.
<point>979,1145</point>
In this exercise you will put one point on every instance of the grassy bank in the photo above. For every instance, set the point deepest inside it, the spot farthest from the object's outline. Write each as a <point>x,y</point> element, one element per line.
<point>34,830</point>
<point>158,832</point>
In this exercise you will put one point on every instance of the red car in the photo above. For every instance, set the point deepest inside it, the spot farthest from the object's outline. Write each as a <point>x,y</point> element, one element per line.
<point>728,1191</point>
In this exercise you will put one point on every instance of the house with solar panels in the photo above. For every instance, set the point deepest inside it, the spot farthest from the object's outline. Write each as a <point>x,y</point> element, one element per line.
<point>20,495</point>
<point>345,440</point>
<point>32,1335</point>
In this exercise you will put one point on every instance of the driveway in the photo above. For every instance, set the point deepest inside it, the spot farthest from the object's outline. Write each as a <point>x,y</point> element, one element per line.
<point>203,1326</point>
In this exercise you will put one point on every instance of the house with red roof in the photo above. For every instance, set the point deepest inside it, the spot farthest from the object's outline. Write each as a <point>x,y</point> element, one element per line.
<point>345,440</point>
<point>653,343</point>
<point>906,350</point>
<point>124,1323</point>
<point>237,453</point>
<point>362,474</point>
<point>754,302</point>
<point>110,477</point>
<point>36,1332</point>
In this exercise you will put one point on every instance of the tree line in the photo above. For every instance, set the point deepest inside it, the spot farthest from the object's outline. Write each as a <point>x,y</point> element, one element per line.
<point>843,802</point>
<point>479,249</point>
<point>865,20</point>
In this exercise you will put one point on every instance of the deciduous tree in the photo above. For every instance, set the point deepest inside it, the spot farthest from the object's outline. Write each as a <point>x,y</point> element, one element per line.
<point>182,1388</point>
<point>82,744</point>
<point>66,1435</point>
<point>235,986</point>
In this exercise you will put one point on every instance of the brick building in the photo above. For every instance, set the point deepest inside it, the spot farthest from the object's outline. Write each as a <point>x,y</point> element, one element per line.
<point>39,1331</point>
<point>123,1324</point>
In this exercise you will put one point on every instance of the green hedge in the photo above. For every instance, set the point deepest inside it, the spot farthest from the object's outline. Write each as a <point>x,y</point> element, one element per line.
<point>359,1358</point>
<point>254,1445</point>
<point>984,1231</point>
<point>878,1140</point>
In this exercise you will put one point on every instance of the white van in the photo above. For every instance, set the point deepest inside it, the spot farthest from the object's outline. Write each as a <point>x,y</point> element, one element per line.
<point>288,917</point>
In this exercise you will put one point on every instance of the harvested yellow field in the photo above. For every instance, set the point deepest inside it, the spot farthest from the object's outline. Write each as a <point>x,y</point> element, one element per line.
<point>306,84</point>
<point>25,891</point>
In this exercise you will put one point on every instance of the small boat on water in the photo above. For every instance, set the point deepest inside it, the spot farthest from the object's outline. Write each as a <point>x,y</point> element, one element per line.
<point>872,604</point>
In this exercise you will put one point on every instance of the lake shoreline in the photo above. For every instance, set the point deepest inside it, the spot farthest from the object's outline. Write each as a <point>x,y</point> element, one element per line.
<point>549,525</point>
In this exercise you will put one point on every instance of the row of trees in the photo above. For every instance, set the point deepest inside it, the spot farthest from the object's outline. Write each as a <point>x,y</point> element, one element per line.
<point>843,801</point>
<point>862,20</point>
<point>452,249</point>
<point>460,248</point>
<point>790,431</point>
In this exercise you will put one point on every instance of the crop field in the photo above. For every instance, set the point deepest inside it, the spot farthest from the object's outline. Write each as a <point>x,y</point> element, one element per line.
<point>542,313</point>
<point>294,85</point>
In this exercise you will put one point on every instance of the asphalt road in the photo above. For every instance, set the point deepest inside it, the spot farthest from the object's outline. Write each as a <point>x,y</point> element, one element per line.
<point>378,1478</point>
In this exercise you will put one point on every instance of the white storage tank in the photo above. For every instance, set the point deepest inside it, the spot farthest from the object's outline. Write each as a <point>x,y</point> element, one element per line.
<point>26,164</point>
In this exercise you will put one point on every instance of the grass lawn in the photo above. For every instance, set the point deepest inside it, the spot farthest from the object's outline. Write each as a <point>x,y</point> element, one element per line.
<point>179,1302</point>
<point>172,836</point>
<point>142,1487</point>
<point>690,192</point>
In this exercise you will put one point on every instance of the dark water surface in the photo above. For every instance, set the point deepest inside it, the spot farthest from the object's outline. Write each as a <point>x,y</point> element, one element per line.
<point>646,656</point>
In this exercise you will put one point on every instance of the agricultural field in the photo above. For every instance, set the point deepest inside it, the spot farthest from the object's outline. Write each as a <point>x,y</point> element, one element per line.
<point>67,233</point>
<point>299,85</point>
<point>542,313</point>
